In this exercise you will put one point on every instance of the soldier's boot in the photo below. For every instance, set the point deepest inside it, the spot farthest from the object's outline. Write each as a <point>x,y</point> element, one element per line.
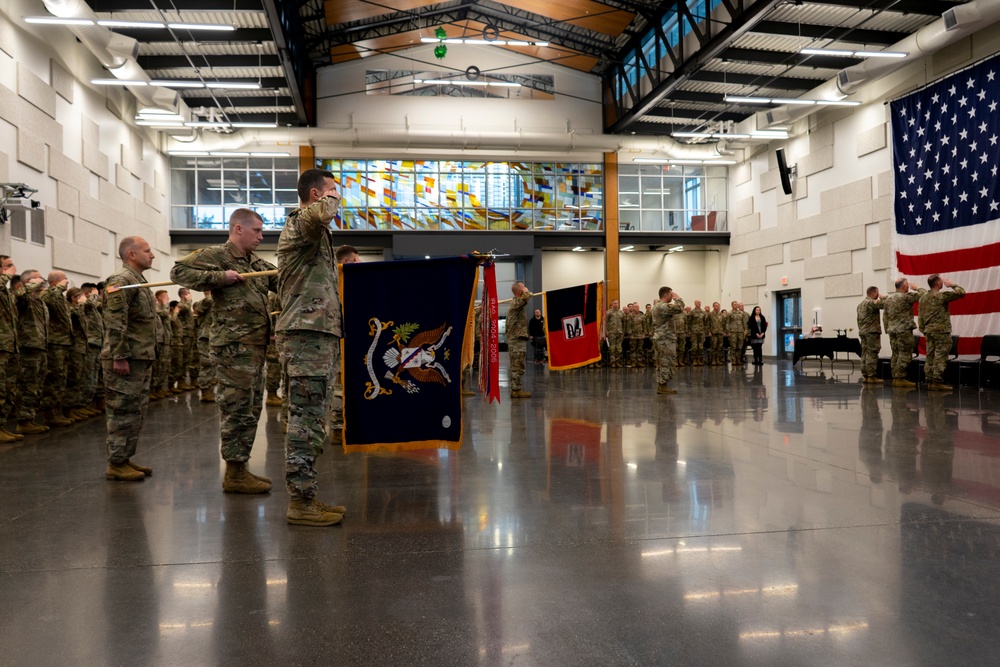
<point>875,380</point>
<point>939,386</point>
<point>336,509</point>
<point>520,393</point>
<point>53,418</point>
<point>100,405</point>
<point>123,472</point>
<point>208,395</point>
<point>310,512</point>
<point>7,438</point>
<point>262,478</point>
<point>78,414</point>
<point>148,472</point>
<point>273,399</point>
<point>90,411</point>
<point>31,428</point>
<point>902,382</point>
<point>239,480</point>
<point>184,386</point>
<point>16,436</point>
<point>664,389</point>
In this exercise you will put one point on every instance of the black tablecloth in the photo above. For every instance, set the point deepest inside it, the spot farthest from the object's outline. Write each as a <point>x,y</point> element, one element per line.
<point>824,347</point>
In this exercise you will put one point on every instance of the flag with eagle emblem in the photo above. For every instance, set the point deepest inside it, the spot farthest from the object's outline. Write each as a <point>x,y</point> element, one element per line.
<point>404,332</point>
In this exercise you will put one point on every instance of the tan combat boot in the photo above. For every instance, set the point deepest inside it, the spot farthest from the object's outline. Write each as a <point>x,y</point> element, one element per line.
<point>273,400</point>
<point>123,472</point>
<point>664,389</point>
<point>79,414</point>
<point>903,383</point>
<point>31,428</point>
<point>239,480</point>
<point>148,472</point>
<point>16,436</point>
<point>520,393</point>
<point>939,386</point>
<point>309,512</point>
<point>8,438</point>
<point>208,395</point>
<point>53,418</point>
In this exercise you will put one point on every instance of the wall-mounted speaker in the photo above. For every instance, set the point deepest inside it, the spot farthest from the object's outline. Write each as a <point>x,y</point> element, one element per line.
<point>784,172</point>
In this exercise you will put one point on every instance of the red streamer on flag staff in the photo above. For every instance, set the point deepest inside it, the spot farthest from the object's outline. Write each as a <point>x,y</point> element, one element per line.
<point>489,366</point>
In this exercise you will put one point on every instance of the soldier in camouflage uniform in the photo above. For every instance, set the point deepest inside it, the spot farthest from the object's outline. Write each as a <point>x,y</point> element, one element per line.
<point>649,348</point>
<point>898,315</point>
<point>934,321</point>
<point>717,326</point>
<point>870,333</point>
<point>32,329</point>
<point>681,357</point>
<point>517,338</point>
<point>238,334</point>
<point>272,363</point>
<point>206,368</point>
<point>308,335</point>
<point>177,346</point>
<point>8,349</point>
<point>664,312</point>
<point>629,330</point>
<point>76,383</point>
<point>161,369</point>
<point>128,356</point>
<point>189,359</point>
<point>60,344</point>
<point>95,340</point>
<point>736,328</point>
<point>697,325</point>
<point>615,328</point>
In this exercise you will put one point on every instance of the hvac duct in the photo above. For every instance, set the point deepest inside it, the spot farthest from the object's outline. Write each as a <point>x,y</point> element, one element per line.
<point>953,25</point>
<point>115,52</point>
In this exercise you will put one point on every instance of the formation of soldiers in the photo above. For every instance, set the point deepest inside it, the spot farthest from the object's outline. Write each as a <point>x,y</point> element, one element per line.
<point>933,320</point>
<point>706,336</point>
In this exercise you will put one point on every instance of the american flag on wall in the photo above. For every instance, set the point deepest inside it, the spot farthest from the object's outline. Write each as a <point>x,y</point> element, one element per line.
<point>946,159</point>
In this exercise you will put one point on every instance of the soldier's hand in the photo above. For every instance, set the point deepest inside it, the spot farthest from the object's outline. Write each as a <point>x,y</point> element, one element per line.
<point>233,277</point>
<point>947,283</point>
<point>913,285</point>
<point>121,367</point>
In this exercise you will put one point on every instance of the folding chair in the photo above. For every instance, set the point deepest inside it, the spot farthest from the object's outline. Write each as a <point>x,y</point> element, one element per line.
<point>958,363</point>
<point>990,348</point>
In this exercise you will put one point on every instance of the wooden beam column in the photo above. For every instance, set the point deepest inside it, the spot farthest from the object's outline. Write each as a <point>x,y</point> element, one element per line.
<point>612,275</point>
<point>307,158</point>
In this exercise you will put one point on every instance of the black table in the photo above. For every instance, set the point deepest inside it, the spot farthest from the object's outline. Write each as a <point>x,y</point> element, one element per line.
<point>824,347</point>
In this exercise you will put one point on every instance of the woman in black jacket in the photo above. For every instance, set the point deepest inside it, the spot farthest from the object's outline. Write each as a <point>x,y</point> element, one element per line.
<point>757,325</point>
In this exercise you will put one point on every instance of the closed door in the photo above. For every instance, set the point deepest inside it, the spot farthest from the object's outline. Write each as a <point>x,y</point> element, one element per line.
<point>789,321</point>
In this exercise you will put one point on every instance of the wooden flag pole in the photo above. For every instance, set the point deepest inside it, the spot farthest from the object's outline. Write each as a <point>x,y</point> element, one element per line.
<point>165,283</point>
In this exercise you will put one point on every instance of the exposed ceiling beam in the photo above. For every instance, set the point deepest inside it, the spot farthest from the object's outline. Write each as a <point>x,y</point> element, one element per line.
<point>694,116</point>
<point>781,82</point>
<point>205,99</point>
<point>849,35</point>
<point>178,62</point>
<point>180,5</point>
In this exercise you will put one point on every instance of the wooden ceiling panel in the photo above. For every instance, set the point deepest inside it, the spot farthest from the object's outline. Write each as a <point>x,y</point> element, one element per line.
<point>345,11</point>
<point>587,14</point>
<point>466,29</point>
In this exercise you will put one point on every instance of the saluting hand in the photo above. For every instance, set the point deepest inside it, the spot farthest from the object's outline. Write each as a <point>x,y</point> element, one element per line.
<point>121,367</point>
<point>233,277</point>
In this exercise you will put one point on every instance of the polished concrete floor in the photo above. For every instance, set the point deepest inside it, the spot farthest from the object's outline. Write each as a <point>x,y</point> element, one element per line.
<point>776,517</point>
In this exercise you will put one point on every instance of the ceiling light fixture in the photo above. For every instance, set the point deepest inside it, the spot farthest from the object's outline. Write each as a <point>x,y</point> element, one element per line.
<point>114,23</point>
<point>206,123</point>
<point>242,85</point>
<point>709,135</point>
<point>853,54</point>
<point>578,249</point>
<point>117,82</point>
<point>482,42</point>
<point>254,124</point>
<point>149,122</point>
<point>202,26</point>
<point>177,84</point>
<point>463,82</point>
<point>770,134</point>
<point>628,248</point>
<point>786,100</point>
<point>56,20</point>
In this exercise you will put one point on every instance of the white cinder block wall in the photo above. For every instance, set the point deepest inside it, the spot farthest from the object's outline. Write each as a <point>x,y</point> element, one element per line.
<point>99,178</point>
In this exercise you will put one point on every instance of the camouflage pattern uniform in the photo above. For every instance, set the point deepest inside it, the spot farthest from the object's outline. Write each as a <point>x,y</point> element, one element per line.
<point>649,347</point>
<point>272,362</point>
<point>870,333</point>
<point>95,340</point>
<point>899,325</point>
<point>8,351</point>
<point>238,334</point>
<point>697,321</point>
<point>161,371</point>
<point>60,344</point>
<point>517,339</point>
<point>736,326</point>
<point>192,362</point>
<point>666,337</point>
<point>682,356</point>
<point>309,332</point>
<point>76,382</point>
<point>32,330</point>
<point>130,334</point>
<point>635,356</point>
<point>177,346</point>
<point>615,328</point>
<point>717,325</point>
<point>935,323</point>
<point>203,318</point>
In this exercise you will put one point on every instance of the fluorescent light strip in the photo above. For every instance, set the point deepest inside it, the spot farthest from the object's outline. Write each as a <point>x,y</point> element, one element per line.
<point>746,100</point>
<point>254,124</point>
<point>854,54</point>
<point>791,100</point>
<point>204,123</point>
<point>202,26</point>
<point>482,42</point>
<point>786,100</point>
<point>114,23</point>
<point>709,135</point>
<point>117,82</point>
<point>148,122</point>
<point>161,117</point>
<point>56,20</point>
<point>233,84</point>
<point>177,84</point>
<point>462,82</point>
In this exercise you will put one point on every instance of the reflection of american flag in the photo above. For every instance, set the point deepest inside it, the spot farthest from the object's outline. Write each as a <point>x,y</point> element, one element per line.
<point>946,157</point>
